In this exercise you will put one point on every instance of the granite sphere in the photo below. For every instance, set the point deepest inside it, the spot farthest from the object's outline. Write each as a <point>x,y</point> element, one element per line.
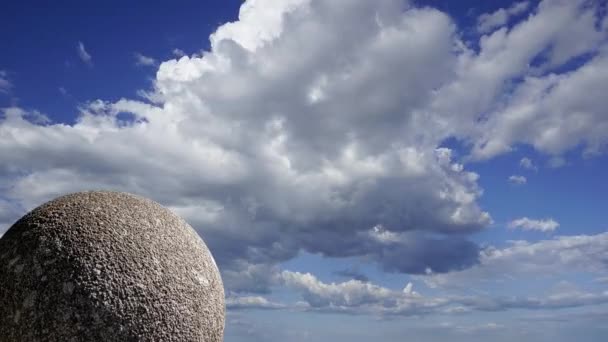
<point>107,266</point>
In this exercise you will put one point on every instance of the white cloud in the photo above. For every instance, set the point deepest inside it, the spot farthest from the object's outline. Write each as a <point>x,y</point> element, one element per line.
<point>519,180</point>
<point>178,52</point>
<point>244,277</point>
<point>260,21</point>
<point>490,21</point>
<point>352,293</point>
<point>550,110</point>
<point>308,123</point>
<point>83,54</point>
<point>546,258</point>
<point>256,167</point>
<point>528,164</point>
<point>554,113</point>
<point>408,290</point>
<point>144,60</point>
<point>546,225</point>
<point>356,297</point>
<point>556,301</point>
<point>251,302</point>
<point>5,83</point>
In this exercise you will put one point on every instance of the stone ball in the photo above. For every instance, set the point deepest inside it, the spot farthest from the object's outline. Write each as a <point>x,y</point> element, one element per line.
<point>107,266</point>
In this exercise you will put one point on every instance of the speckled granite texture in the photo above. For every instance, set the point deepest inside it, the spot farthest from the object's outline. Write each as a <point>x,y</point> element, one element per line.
<point>107,266</point>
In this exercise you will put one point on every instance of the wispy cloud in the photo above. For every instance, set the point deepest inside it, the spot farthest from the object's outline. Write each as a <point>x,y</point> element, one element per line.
<point>251,302</point>
<point>83,54</point>
<point>356,297</point>
<point>489,21</point>
<point>178,52</point>
<point>544,225</point>
<point>143,60</point>
<point>520,259</point>
<point>5,83</point>
<point>517,179</point>
<point>528,164</point>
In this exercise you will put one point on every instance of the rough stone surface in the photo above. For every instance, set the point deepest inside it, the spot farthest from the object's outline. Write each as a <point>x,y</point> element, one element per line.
<point>107,266</point>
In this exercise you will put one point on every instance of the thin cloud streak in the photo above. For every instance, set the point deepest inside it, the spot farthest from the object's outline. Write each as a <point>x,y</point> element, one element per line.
<point>83,54</point>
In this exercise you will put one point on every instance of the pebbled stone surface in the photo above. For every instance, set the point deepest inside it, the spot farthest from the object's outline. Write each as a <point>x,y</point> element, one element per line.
<point>107,266</point>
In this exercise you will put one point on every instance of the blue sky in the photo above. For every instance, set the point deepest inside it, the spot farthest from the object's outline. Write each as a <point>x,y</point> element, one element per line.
<point>429,170</point>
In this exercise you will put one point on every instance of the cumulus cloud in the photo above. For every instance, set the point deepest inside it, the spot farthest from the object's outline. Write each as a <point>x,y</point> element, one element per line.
<point>352,294</point>
<point>517,179</point>
<point>489,21</point>
<point>528,164</point>
<point>550,110</point>
<point>547,258</point>
<point>222,225</point>
<point>142,60</point>
<point>356,297</point>
<point>318,126</point>
<point>545,225</point>
<point>570,98</point>
<point>245,277</point>
<point>264,169</point>
<point>83,54</point>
